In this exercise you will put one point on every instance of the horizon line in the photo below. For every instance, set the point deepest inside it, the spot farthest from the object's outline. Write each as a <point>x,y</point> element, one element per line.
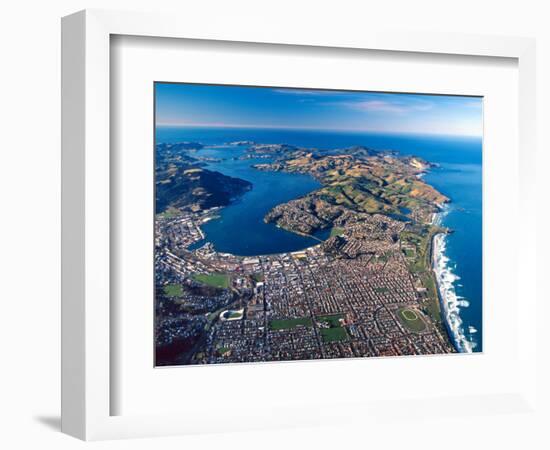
<point>290,127</point>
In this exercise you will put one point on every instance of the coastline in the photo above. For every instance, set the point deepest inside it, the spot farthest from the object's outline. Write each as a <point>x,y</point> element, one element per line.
<point>442,306</point>
<point>449,302</point>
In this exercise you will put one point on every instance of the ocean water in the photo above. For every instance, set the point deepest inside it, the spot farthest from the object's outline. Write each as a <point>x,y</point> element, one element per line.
<point>241,230</point>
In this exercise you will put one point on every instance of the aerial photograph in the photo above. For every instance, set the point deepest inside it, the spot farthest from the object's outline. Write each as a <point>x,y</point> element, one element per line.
<point>302,224</point>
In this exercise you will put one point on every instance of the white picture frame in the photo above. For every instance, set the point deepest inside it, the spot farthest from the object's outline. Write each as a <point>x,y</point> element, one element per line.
<point>86,100</point>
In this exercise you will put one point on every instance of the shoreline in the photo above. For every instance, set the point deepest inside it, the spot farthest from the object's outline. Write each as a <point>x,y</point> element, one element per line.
<point>441,301</point>
<point>448,300</point>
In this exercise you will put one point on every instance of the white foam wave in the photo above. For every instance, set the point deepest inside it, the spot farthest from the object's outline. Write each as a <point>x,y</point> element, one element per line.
<point>438,217</point>
<point>452,303</point>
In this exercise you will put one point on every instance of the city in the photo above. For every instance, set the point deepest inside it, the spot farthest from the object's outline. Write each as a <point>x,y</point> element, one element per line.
<point>367,290</point>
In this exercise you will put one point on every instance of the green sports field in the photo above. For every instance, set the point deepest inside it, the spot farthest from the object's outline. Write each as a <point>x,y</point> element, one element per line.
<point>411,319</point>
<point>219,280</point>
<point>336,334</point>
<point>286,324</point>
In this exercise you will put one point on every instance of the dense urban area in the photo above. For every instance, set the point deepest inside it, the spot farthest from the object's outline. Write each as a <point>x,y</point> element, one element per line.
<point>366,290</point>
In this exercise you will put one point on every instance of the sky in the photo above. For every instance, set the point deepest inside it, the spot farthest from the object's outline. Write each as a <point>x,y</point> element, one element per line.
<point>180,104</point>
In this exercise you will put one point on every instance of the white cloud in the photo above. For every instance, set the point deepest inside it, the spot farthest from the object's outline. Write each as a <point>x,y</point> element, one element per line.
<point>383,106</point>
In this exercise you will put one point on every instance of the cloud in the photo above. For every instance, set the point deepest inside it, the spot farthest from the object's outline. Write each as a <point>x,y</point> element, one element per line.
<point>392,107</point>
<point>362,101</point>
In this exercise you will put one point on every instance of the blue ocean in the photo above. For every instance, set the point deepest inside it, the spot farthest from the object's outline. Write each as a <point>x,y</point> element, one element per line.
<point>241,230</point>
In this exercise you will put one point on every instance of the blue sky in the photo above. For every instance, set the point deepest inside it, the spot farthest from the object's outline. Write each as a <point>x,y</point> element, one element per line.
<point>240,106</point>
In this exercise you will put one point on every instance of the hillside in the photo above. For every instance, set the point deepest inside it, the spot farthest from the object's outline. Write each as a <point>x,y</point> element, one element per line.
<point>360,181</point>
<point>182,182</point>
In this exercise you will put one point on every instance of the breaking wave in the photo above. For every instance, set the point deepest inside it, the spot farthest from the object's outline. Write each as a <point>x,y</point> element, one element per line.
<point>451,302</point>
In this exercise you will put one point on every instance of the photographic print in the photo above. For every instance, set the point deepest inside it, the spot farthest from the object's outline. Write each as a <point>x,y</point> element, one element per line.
<point>302,224</point>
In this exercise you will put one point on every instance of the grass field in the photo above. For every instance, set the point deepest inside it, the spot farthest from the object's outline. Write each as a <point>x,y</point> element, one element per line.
<point>432,306</point>
<point>335,231</point>
<point>336,334</point>
<point>333,321</point>
<point>170,213</point>
<point>411,319</point>
<point>286,324</point>
<point>173,290</point>
<point>380,290</point>
<point>219,280</point>
<point>420,263</point>
<point>420,241</point>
